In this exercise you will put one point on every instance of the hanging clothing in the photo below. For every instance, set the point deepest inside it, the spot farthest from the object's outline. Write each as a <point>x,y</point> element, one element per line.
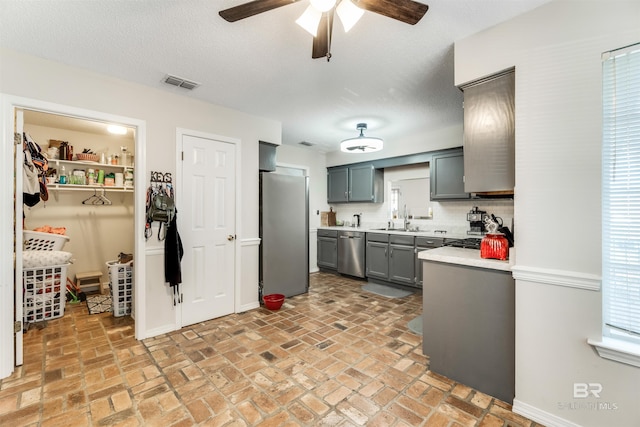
<point>30,181</point>
<point>173,252</point>
<point>40,162</point>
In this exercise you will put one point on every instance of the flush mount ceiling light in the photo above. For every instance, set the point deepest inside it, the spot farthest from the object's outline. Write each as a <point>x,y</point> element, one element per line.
<point>361,144</point>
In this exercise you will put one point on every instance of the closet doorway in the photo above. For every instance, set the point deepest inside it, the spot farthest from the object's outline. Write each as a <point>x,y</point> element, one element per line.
<point>100,222</point>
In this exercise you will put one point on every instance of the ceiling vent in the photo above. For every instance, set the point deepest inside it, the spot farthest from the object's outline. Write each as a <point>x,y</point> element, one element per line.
<point>180,82</point>
<point>306,144</point>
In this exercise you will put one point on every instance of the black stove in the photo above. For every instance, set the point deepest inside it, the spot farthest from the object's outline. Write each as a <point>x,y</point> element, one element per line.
<point>468,243</point>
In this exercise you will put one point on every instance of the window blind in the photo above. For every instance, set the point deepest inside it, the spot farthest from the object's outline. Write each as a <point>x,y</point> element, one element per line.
<point>621,194</point>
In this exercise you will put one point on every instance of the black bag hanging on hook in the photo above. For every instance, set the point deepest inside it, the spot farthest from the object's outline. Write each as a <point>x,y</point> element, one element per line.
<point>161,208</point>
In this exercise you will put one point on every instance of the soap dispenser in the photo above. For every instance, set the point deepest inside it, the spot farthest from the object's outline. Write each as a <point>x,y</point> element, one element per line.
<point>62,179</point>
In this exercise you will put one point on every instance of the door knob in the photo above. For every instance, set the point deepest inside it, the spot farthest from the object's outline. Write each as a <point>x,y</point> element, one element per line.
<point>231,237</point>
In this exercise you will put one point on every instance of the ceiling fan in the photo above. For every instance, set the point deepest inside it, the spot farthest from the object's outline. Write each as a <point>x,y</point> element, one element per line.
<point>318,18</point>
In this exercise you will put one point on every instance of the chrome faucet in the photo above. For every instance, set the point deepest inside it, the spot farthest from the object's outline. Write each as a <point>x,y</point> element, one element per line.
<point>405,218</point>
<point>356,222</point>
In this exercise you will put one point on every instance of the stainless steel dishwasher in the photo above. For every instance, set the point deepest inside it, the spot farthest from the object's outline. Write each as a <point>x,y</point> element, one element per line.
<point>351,249</point>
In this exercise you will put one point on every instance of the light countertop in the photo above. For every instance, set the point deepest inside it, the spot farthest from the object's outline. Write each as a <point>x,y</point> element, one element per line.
<point>468,257</point>
<point>421,233</point>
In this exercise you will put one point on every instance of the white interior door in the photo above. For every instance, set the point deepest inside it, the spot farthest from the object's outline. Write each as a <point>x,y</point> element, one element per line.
<point>207,226</point>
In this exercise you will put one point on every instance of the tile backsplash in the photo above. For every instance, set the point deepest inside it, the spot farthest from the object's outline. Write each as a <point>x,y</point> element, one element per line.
<point>449,215</point>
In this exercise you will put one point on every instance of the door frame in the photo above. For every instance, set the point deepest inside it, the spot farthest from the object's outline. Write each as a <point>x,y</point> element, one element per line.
<point>8,105</point>
<point>180,134</point>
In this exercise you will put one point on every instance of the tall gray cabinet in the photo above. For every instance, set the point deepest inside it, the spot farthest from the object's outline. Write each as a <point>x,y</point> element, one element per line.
<point>489,134</point>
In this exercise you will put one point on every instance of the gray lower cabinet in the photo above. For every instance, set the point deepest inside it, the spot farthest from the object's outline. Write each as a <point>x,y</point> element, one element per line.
<point>401,259</point>
<point>446,171</point>
<point>423,244</point>
<point>391,258</point>
<point>468,328</point>
<point>377,259</point>
<point>328,249</point>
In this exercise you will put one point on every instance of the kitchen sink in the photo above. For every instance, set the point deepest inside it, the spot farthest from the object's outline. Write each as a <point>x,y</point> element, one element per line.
<point>396,229</point>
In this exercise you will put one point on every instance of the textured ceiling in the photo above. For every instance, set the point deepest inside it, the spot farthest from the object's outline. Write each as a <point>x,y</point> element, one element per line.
<point>396,77</point>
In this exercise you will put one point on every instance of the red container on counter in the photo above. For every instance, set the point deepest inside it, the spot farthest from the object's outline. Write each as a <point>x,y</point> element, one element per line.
<point>494,246</point>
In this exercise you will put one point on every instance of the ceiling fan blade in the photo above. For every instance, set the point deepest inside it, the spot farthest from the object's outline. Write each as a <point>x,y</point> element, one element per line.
<point>407,11</point>
<point>322,42</point>
<point>254,7</point>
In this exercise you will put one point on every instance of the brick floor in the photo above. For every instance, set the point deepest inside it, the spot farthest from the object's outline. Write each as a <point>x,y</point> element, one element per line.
<point>337,356</point>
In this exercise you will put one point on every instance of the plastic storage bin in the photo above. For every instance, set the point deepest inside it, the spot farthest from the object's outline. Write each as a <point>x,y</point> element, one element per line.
<point>44,292</point>
<point>121,284</point>
<point>38,241</point>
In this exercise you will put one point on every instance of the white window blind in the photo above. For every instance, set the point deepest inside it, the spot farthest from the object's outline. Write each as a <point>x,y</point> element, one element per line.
<point>621,194</point>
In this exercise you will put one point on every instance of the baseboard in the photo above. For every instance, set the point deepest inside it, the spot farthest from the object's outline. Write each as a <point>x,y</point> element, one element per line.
<point>540,416</point>
<point>247,307</point>
<point>159,331</point>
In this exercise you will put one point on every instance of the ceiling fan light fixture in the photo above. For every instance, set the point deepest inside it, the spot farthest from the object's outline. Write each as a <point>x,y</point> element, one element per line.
<point>323,5</point>
<point>361,143</point>
<point>309,20</point>
<point>349,14</point>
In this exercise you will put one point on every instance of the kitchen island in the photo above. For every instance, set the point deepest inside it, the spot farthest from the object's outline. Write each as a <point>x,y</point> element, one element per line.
<point>469,319</point>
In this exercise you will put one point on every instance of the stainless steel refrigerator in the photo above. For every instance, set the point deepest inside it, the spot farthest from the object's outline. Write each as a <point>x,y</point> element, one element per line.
<point>284,234</point>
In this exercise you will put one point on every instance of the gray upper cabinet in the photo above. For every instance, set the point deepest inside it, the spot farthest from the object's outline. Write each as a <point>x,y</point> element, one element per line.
<point>447,175</point>
<point>489,134</point>
<point>366,184</point>
<point>338,185</point>
<point>358,183</point>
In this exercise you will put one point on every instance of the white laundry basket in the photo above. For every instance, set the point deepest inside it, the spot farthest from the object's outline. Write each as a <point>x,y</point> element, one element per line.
<point>38,241</point>
<point>121,284</point>
<point>44,292</point>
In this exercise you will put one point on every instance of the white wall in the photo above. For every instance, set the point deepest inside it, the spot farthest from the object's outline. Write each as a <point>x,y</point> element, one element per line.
<point>556,50</point>
<point>164,112</point>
